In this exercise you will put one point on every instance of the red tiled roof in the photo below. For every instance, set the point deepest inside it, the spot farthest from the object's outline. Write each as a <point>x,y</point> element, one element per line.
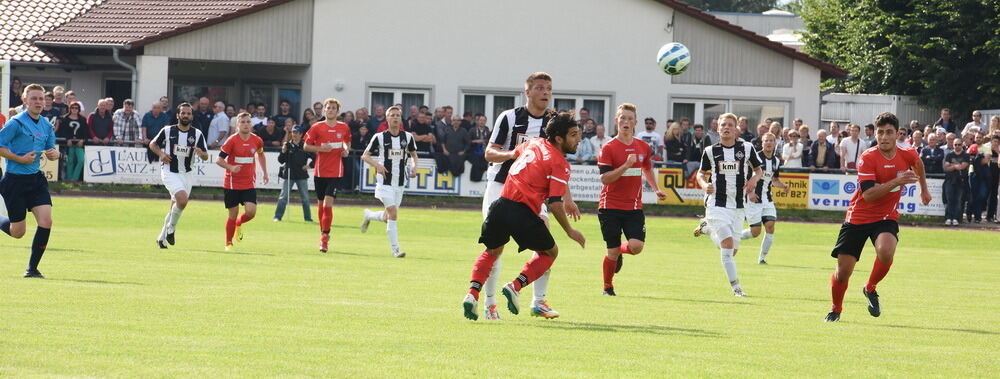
<point>22,20</point>
<point>140,22</point>
<point>828,69</point>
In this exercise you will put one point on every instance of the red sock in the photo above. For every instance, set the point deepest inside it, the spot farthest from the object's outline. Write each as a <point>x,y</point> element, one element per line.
<point>325,219</point>
<point>480,271</point>
<point>243,219</point>
<point>609,271</point>
<point>230,229</point>
<point>532,270</point>
<point>878,273</point>
<point>837,289</point>
<point>624,248</point>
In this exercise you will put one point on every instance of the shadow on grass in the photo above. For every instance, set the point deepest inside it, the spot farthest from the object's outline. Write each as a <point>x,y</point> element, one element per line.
<point>229,252</point>
<point>647,329</point>
<point>692,300</point>
<point>96,281</point>
<point>800,267</point>
<point>68,250</point>
<point>973,331</point>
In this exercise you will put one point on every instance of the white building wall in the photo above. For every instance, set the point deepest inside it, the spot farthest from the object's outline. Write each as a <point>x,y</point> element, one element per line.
<point>88,85</point>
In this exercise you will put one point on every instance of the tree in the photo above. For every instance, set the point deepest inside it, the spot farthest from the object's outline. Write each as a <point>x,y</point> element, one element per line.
<point>946,53</point>
<point>746,6</point>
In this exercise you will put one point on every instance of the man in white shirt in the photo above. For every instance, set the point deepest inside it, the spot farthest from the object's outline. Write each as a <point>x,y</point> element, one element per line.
<point>218,130</point>
<point>650,137</point>
<point>833,133</point>
<point>598,140</point>
<point>851,148</point>
<point>977,122</point>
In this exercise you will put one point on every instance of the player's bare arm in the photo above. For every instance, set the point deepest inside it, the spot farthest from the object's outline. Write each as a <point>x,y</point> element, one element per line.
<point>613,175</point>
<point>704,178</point>
<point>413,164</point>
<point>647,173</point>
<point>221,162</point>
<point>556,206</point>
<point>496,154</point>
<point>872,191</point>
<point>367,157</point>
<point>778,183</point>
<point>925,194</point>
<point>153,146</point>
<point>570,206</point>
<point>22,159</point>
<point>751,184</point>
<point>263,166</point>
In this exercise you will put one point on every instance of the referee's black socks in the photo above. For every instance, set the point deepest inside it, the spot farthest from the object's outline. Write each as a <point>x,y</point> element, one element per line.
<point>38,247</point>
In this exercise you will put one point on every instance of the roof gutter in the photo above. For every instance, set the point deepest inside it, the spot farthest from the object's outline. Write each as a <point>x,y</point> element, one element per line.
<point>135,73</point>
<point>77,45</point>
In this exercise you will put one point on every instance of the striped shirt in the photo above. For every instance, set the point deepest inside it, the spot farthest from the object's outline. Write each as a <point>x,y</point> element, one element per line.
<point>730,167</point>
<point>769,167</point>
<point>514,127</point>
<point>393,152</point>
<point>179,145</point>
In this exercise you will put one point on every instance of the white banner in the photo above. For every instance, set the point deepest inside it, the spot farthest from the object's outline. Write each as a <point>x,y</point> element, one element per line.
<point>128,165</point>
<point>832,192</point>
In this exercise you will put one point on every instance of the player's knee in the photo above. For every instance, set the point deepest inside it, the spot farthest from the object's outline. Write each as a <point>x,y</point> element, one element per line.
<point>44,222</point>
<point>17,233</point>
<point>635,247</point>
<point>553,252</point>
<point>727,243</point>
<point>755,231</point>
<point>769,227</point>
<point>390,213</point>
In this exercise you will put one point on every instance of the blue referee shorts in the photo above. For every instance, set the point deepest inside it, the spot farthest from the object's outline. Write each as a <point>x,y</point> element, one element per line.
<point>21,193</point>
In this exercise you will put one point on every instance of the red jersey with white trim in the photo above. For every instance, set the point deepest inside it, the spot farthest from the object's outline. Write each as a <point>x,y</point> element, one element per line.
<point>338,137</point>
<point>539,172</point>
<point>242,153</point>
<point>872,165</point>
<point>626,192</point>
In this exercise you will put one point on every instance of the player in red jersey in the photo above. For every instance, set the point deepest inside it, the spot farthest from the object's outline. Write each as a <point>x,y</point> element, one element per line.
<point>539,174</point>
<point>237,157</point>
<point>624,162</point>
<point>873,212</point>
<point>331,141</point>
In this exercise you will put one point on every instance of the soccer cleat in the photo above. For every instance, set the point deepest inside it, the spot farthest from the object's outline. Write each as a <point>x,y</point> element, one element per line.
<point>610,291</point>
<point>832,317</point>
<point>239,233</point>
<point>762,262</point>
<point>873,306</point>
<point>276,219</point>
<point>618,264</point>
<point>491,312</point>
<point>398,253</point>
<point>702,224</point>
<point>229,246</point>
<point>33,274</point>
<point>543,310</point>
<point>170,238</point>
<point>469,306</point>
<point>511,295</point>
<point>738,292</point>
<point>366,220</point>
<point>324,241</point>
<point>161,244</point>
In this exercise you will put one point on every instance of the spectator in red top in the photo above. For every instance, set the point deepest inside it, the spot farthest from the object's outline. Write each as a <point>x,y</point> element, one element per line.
<point>331,141</point>
<point>237,157</point>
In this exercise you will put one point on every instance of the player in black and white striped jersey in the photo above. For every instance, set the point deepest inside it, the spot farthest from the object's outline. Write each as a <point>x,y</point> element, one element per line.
<point>729,173</point>
<point>763,211</point>
<point>513,127</point>
<point>177,145</point>
<point>393,154</point>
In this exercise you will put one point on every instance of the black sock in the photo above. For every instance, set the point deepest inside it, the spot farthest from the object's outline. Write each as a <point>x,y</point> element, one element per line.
<point>38,247</point>
<point>5,224</point>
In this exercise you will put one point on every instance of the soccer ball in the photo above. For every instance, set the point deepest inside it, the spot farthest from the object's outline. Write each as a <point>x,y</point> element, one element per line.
<point>673,58</point>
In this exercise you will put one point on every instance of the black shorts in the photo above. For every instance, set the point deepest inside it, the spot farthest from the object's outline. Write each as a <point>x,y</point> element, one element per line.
<point>615,222</point>
<point>326,187</point>
<point>508,218</point>
<point>852,237</point>
<point>23,192</point>
<point>239,197</point>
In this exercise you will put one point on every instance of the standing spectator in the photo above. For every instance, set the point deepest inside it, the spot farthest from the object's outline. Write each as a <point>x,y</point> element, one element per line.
<point>713,131</point>
<point>218,129</point>
<point>686,126</point>
<point>259,119</point>
<point>308,119</point>
<point>171,113</point>
<point>361,116</point>
<point>743,124</point>
<point>758,140</point>
<point>779,138</point>
<point>851,148</point>
<point>796,123</point>
<point>478,135</point>
<point>284,111</point>
<point>994,125</point>
<point>834,133</point>
<point>153,121</point>
<point>203,116</point>
<point>51,113</point>
<point>956,182</point>
<point>793,152</point>
<point>977,122</point>
<point>903,140</point>
<point>231,114</point>
<point>695,147</point>
<point>467,121</point>
<point>16,89</point>
<point>71,98</point>
<point>272,134</point>
<point>654,140</point>
<point>948,143</point>
<point>979,177</point>
<point>287,129</point>
<point>949,125</point>
<point>423,133</point>
<point>360,142</point>
<point>917,141</point>
<point>455,144</point>
<point>74,130</point>
<point>318,110</point>
<point>378,117</point>
<point>673,142</point>
<point>589,128</point>
<point>57,101</point>
<point>442,126</point>
<point>823,154</point>
<point>584,150</point>
<point>933,156</point>
<point>126,121</point>
<point>868,140</point>
<point>992,151</point>
<point>295,172</point>
<point>599,140</point>
<point>411,115</point>
<point>101,124</point>
<point>584,116</point>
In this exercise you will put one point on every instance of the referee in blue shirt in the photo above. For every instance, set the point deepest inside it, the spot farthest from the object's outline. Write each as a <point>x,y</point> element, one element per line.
<point>23,141</point>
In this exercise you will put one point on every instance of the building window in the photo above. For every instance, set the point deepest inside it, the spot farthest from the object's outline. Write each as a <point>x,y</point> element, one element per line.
<point>597,105</point>
<point>191,93</point>
<point>703,111</point>
<point>490,104</point>
<point>271,96</point>
<point>756,112</point>
<point>387,97</point>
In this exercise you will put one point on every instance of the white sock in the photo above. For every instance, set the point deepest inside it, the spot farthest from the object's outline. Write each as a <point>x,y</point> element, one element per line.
<point>490,287</point>
<point>390,229</point>
<point>174,217</point>
<point>747,234</point>
<point>166,224</point>
<point>539,286</point>
<point>765,245</point>
<point>729,264</point>
<point>377,216</point>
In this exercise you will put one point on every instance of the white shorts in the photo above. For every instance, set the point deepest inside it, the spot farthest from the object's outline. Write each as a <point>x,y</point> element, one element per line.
<point>493,190</point>
<point>176,182</point>
<point>759,212</point>
<point>725,223</point>
<point>391,196</point>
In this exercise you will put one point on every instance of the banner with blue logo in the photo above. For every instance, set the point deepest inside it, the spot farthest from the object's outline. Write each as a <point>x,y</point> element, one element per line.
<point>833,192</point>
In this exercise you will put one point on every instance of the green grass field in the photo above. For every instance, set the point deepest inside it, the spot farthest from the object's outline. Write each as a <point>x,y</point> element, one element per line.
<point>114,305</point>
